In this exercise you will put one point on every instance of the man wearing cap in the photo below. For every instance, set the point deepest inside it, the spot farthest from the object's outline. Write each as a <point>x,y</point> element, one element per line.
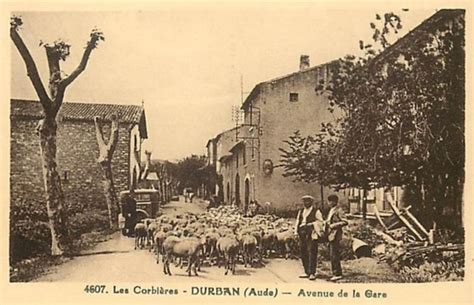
<point>336,220</point>
<point>304,229</point>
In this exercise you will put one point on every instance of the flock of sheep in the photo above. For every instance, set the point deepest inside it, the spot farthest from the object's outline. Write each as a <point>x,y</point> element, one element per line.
<point>220,235</point>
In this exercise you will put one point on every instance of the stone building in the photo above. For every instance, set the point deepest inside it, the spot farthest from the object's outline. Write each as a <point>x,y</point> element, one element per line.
<point>77,151</point>
<point>247,157</point>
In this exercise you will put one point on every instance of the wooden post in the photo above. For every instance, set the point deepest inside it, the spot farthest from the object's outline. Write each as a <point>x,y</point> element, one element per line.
<point>364,204</point>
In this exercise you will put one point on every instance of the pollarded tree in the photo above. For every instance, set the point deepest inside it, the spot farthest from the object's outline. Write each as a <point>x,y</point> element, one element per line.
<point>47,127</point>
<point>106,152</point>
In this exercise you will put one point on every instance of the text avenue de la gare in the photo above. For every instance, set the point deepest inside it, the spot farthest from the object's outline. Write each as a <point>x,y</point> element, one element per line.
<point>233,291</point>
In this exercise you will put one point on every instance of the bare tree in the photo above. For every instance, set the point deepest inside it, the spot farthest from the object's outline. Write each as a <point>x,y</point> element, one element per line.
<point>47,127</point>
<point>106,152</point>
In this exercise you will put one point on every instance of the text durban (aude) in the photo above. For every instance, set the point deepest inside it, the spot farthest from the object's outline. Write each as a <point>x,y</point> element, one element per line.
<point>233,291</point>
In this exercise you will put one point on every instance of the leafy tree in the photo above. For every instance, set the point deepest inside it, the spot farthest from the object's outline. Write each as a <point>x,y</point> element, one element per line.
<point>47,128</point>
<point>191,172</point>
<point>309,159</point>
<point>401,117</point>
<point>188,171</point>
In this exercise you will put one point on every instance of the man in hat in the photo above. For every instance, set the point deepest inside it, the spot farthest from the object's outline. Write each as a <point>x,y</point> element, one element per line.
<point>304,229</point>
<point>335,221</point>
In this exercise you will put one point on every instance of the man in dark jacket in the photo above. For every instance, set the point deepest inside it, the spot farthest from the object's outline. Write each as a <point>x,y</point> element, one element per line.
<point>304,229</point>
<point>129,212</point>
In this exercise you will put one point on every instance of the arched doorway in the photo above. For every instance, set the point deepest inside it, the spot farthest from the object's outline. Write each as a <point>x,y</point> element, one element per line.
<point>228,193</point>
<point>246,194</point>
<point>237,189</point>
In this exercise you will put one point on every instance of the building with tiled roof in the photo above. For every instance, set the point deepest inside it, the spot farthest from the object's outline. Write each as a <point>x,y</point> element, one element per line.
<point>77,151</point>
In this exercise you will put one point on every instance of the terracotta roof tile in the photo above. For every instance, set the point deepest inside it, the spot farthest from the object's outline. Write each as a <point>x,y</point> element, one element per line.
<point>78,111</point>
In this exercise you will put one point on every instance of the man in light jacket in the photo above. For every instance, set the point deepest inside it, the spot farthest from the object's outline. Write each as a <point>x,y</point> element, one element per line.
<point>304,225</point>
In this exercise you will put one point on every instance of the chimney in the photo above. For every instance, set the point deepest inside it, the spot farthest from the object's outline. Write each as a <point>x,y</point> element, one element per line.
<point>304,62</point>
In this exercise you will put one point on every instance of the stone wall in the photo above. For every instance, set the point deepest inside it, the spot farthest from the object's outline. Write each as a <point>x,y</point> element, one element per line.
<point>77,152</point>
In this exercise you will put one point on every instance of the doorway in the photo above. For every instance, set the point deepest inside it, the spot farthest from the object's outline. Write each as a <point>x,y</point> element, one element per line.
<point>237,189</point>
<point>246,194</point>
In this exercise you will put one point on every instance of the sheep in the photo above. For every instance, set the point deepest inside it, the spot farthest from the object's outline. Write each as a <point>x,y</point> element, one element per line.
<point>166,227</point>
<point>151,228</point>
<point>210,245</point>
<point>285,242</point>
<point>269,240</point>
<point>147,221</point>
<point>167,247</point>
<point>183,248</point>
<point>228,247</point>
<point>249,247</point>
<point>158,239</point>
<point>140,235</point>
<point>218,235</point>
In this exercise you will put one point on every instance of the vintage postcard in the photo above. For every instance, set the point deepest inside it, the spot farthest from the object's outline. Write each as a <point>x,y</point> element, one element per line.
<point>236,152</point>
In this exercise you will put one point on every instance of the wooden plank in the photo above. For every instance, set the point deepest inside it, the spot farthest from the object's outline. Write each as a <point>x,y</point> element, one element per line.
<point>417,223</point>
<point>379,218</point>
<point>402,218</point>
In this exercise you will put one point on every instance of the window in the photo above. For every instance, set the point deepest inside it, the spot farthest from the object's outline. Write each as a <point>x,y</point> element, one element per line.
<point>244,157</point>
<point>237,160</point>
<point>143,197</point>
<point>66,176</point>
<point>293,97</point>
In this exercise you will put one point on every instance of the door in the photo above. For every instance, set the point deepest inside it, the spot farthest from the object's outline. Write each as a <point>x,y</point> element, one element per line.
<point>237,189</point>
<point>246,194</point>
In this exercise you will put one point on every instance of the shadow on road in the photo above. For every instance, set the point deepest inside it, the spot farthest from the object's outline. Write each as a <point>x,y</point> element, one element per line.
<point>243,272</point>
<point>100,253</point>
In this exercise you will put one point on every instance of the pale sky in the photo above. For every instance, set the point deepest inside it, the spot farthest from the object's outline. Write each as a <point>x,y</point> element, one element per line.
<point>185,62</point>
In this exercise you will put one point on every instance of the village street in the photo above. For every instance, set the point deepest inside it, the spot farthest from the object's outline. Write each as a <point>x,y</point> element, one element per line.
<point>116,260</point>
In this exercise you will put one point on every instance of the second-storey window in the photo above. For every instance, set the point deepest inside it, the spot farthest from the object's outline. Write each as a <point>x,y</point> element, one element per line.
<point>293,97</point>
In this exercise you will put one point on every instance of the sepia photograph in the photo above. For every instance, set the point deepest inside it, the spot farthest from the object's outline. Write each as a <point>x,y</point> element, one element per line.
<point>249,143</point>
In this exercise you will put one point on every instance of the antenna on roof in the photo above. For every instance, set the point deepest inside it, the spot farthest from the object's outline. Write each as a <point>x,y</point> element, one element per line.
<point>241,89</point>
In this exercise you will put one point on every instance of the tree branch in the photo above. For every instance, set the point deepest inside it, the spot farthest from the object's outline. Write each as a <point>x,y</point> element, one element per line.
<point>114,133</point>
<point>92,44</point>
<point>82,66</point>
<point>98,132</point>
<point>31,69</point>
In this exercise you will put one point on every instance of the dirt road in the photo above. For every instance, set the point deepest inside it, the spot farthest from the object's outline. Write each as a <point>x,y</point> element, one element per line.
<point>116,261</point>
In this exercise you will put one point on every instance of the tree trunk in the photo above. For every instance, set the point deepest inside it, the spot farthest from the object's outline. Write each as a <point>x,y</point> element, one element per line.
<point>106,151</point>
<point>47,127</point>
<point>109,192</point>
<point>364,204</point>
<point>322,194</point>
<point>52,182</point>
<point>163,187</point>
